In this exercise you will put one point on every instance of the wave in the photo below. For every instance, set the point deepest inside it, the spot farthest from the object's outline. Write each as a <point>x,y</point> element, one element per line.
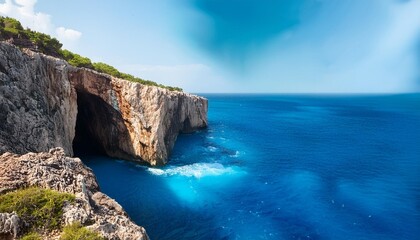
<point>237,153</point>
<point>211,148</point>
<point>196,170</point>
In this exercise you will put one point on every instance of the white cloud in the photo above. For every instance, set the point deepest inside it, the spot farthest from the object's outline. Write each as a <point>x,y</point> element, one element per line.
<point>23,10</point>
<point>68,34</point>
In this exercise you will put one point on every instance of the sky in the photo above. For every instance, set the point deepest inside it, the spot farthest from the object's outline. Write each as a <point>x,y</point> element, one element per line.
<point>243,46</point>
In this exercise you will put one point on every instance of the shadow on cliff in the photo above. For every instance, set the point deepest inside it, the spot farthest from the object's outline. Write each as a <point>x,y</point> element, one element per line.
<point>100,129</point>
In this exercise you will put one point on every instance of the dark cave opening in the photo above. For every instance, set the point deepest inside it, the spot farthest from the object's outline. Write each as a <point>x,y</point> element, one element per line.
<point>87,140</point>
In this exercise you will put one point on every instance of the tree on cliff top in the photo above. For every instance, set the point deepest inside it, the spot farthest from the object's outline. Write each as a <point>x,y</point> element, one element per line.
<point>11,29</point>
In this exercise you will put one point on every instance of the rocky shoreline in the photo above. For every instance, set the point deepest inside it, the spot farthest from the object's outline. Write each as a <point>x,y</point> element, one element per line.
<point>53,170</point>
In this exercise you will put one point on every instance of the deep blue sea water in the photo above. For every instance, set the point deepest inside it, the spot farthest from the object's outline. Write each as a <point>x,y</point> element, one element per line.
<point>282,167</point>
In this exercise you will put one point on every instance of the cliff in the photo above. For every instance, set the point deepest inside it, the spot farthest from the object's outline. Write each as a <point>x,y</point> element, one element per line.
<point>53,170</point>
<point>46,103</point>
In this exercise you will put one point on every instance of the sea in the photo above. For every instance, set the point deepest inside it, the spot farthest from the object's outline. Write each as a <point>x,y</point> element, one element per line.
<point>282,167</point>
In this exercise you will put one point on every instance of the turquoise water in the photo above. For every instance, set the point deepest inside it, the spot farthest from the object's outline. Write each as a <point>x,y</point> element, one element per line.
<point>282,167</point>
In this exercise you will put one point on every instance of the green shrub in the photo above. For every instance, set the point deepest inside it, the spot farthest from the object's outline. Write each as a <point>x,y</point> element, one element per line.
<point>40,208</point>
<point>76,231</point>
<point>105,68</point>
<point>75,59</point>
<point>32,236</point>
<point>45,43</point>
<point>8,22</point>
<point>11,31</point>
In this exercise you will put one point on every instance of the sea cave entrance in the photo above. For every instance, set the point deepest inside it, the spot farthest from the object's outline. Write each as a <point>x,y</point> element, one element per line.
<point>100,129</point>
<point>91,116</point>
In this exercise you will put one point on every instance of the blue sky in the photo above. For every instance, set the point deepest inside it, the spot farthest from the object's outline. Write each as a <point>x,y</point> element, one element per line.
<point>303,46</point>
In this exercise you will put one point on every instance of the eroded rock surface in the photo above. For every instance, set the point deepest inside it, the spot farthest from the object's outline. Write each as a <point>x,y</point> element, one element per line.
<point>38,105</point>
<point>40,97</point>
<point>9,225</point>
<point>54,170</point>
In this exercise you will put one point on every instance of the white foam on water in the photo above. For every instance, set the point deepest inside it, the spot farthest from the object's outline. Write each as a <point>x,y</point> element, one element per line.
<point>196,170</point>
<point>212,149</point>
<point>156,171</point>
<point>237,153</point>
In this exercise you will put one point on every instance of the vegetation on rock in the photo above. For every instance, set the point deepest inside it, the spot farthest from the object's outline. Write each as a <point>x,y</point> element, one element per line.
<point>32,236</point>
<point>105,68</point>
<point>12,30</point>
<point>41,209</point>
<point>77,231</point>
<point>75,59</point>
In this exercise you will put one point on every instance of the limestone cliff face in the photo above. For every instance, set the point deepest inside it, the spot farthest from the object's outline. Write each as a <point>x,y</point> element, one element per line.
<point>46,103</point>
<point>38,105</point>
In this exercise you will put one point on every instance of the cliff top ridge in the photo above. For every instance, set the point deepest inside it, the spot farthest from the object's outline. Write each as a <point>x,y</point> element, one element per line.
<point>11,31</point>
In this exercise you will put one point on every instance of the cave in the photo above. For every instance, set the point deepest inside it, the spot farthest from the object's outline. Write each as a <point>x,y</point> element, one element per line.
<point>86,140</point>
<point>100,129</point>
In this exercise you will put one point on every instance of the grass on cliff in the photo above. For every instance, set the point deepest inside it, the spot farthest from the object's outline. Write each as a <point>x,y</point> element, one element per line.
<point>11,29</point>
<point>32,236</point>
<point>41,208</point>
<point>77,231</point>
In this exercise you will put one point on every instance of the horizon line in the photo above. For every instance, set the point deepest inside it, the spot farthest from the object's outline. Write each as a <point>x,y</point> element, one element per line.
<point>307,93</point>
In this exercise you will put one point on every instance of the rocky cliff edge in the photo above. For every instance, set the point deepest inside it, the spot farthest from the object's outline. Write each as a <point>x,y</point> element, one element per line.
<point>53,170</point>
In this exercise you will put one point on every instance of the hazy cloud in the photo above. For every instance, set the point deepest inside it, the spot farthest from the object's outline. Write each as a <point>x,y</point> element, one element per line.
<point>232,30</point>
<point>313,45</point>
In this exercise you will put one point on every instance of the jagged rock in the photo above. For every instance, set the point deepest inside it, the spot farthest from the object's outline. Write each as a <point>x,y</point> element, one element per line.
<point>76,212</point>
<point>41,96</point>
<point>113,219</point>
<point>9,224</point>
<point>50,170</point>
<point>56,171</point>
<point>102,200</point>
